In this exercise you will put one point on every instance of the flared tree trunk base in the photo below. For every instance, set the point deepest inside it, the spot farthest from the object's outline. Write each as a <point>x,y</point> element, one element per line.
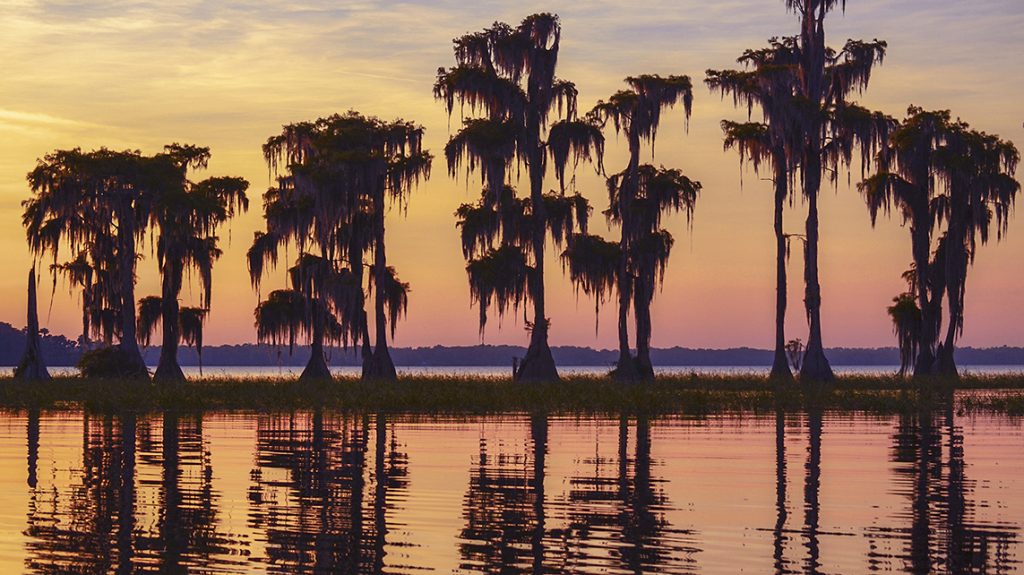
<point>815,368</point>
<point>168,371</point>
<point>926,365</point>
<point>626,370</point>
<point>316,369</point>
<point>645,368</point>
<point>538,366</point>
<point>781,373</point>
<point>946,364</point>
<point>32,367</point>
<point>379,366</point>
<point>134,366</point>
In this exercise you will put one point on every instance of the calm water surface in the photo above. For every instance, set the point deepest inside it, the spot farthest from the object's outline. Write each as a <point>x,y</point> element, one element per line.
<point>322,492</point>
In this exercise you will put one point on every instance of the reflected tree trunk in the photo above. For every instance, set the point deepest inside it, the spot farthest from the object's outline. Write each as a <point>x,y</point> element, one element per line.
<point>32,436</point>
<point>780,362</point>
<point>126,496</point>
<point>812,487</point>
<point>539,437</point>
<point>781,512</point>
<point>174,541</point>
<point>380,506</point>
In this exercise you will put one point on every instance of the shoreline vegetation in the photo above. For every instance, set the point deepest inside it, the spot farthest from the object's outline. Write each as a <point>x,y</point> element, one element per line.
<point>690,395</point>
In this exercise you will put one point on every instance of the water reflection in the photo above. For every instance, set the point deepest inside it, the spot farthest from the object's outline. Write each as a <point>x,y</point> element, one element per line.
<point>929,446</point>
<point>322,492</point>
<point>310,497</point>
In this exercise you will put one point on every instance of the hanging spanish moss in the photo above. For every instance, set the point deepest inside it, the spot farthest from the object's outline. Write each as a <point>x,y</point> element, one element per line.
<point>507,75</point>
<point>335,178</point>
<point>638,197</point>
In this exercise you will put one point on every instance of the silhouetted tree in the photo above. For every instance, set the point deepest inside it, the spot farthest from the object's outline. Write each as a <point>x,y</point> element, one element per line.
<point>826,80</point>
<point>508,74</point>
<point>638,197</point>
<point>947,181</point>
<point>907,325</point>
<point>979,173</point>
<point>769,81</point>
<point>335,176</point>
<point>186,215</point>
<point>97,205</point>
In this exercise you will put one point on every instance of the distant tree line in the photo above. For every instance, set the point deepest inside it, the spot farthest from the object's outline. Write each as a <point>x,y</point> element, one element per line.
<point>61,351</point>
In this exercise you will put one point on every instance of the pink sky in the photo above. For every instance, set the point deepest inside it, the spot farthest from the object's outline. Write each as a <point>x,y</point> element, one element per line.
<point>139,75</point>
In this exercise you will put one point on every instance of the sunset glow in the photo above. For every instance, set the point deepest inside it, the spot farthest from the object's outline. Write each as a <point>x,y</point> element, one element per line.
<point>138,75</point>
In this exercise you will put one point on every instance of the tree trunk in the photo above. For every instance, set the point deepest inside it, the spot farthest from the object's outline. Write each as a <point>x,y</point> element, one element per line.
<point>355,256</point>
<point>815,367</point>
<point>956,266</point>
<point>780,363</point>
<point>642,312</point>
<point>625,369</point>
<point>168,371</point>
<point>538,364</point>
<point>925,364</point>
<point>380,367</point>
<point>135,366</point>
<point>32,366</point>
<point>317,369</point>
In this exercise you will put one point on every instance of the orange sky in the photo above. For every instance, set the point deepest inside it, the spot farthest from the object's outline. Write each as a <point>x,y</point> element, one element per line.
<point>228,75</point>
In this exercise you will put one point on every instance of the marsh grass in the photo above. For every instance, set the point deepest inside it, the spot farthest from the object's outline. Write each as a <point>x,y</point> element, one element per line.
<point>688,395</point>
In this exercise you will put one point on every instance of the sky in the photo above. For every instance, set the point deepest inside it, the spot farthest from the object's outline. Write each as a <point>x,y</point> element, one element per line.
<point>229,74</point>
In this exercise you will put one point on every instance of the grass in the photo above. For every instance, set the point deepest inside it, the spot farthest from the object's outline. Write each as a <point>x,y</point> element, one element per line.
<point>690,395</point>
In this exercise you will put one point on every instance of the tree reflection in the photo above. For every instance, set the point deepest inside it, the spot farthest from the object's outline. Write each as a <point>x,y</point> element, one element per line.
<point>504,508</point>
<point>781,512</point>
<point>96,523</point>
<point>74,528</point>
<point>617,512</point>
<point>945,534</point>
<point>812,488</point>
<point>309,491</point>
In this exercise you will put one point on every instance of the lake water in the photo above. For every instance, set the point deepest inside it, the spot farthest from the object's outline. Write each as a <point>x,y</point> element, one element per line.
<point>193,372</point>
<point>322,492</point>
